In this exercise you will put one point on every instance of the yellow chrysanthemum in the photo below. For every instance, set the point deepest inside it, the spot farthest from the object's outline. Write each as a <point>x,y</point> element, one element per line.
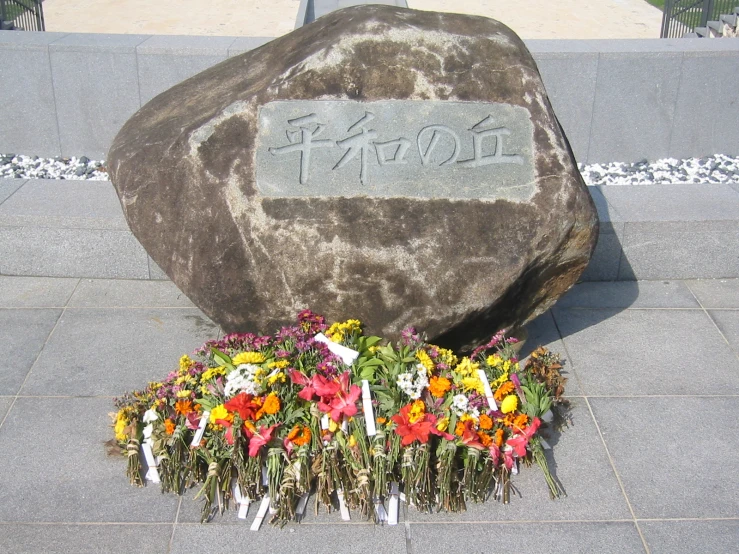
<point>184,394</point>
<point>467,367</point>
<point>509,404</point>
<point>248,358</point>
<point>120,425</point>
<point>281,364</point>
<point>338,331</point>
<point>494,360</point>
<point>473,383</point>
<point>186,363</point>
<point>219,412</point>
<point>279,376</point>
<point>208,374</point>
<point>447,356</point>
<point>425,360</point>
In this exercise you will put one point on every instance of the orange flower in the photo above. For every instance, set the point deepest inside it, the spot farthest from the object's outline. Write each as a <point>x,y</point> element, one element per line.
<point>169,426</point>
<point>503,390</point>
<point>381,420</point>
<point>485,422</point>
<point>521,421</point>
<point>459,429</point>
<point>271,404</point>
<point>299,435</point>
<point>499,438</point>
<point>485,439</point>
<point>183,407</point>
<point>439,386</point>
<point>508,420</point>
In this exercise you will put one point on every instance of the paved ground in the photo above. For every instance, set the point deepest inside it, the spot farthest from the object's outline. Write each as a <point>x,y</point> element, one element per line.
<point>651,457</point>
<point>529,18</point>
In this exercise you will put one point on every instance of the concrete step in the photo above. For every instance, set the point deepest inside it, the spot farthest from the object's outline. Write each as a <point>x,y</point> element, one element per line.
<point>702,32</point>
<point>730,19</point>
<point>77,229</point>
<point>716,28</point>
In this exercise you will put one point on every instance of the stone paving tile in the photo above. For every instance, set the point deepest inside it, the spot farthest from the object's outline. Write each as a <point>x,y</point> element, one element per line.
<point>677,457</point>
<point>629,294</point>
<point>728,323</point>
<point>54,467</point>
<point>9,186</point>
<point>111,351</point>
<point>104,293</point>
<point>522,538</point>
<point>716,293</point>
<point>645,352</point>
<point>348,538</point>
<point>580,463</point>
<point>5,403</point>
<point>706,537</point>
<point>22,336</point>
<point>23,538</point>
<point>35,292</point>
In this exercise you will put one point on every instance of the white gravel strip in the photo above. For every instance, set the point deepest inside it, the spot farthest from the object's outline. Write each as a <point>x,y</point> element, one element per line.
<point>711,169</point>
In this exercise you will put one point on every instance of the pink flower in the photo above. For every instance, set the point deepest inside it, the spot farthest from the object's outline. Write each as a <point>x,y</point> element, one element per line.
<point>338,397</point>
<point>518,443</point>
<point>258,439</point>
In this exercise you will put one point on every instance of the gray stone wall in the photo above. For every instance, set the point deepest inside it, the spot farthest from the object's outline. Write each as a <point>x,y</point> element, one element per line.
<point>618,100</point>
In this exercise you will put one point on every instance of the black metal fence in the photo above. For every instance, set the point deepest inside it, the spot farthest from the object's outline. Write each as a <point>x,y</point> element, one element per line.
<point>683,16</point>
<point>26,15</point>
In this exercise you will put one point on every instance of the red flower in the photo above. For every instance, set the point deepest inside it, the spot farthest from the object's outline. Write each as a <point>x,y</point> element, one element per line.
<point>518,443</point>
<point>242,404</point>
<point>469,436</point>
<point>298,378</point>
<point>418,431</point>
<point>258,439</point>
<point>338,397</point>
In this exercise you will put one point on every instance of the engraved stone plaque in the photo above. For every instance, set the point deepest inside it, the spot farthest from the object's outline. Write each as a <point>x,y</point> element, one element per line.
<point>395,148</point>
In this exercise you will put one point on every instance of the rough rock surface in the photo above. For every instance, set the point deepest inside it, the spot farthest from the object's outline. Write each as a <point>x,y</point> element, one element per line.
<point>457,267</point>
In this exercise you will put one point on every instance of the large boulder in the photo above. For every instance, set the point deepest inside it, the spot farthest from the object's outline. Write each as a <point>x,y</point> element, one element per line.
<point>397,166</point>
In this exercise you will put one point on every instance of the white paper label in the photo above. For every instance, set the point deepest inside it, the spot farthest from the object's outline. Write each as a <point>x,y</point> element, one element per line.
<point>347,355</point>
<point>514,467</point>
<point>201,429</point>
<point>263,507</point>
<point>342,506</point>
<point>324,422</point>
<point>488,391</point>
<point>152,473</point>
<point>380,511</point>
<point>392,505</point>
<point>369,414</point>
<point>265,476</point>
<point>544,444</point>
<point>242,501</point>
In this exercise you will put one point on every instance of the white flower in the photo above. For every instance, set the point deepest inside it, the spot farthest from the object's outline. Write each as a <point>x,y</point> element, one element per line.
<point>150,416</point>
<point>460,404</point>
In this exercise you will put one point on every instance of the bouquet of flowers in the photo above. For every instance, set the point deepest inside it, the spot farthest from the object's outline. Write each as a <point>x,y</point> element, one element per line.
<point>325,410</point>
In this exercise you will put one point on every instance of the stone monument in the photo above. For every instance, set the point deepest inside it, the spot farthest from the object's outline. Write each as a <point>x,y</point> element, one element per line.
<point>396,166</point>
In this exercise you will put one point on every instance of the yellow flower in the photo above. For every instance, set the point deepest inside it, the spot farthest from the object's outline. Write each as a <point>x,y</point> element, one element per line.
<point>425,360</point>
<point>507,366</point>
<point>219,412</point>
<point>248,358</point>
<point>467,417</point>
<point>447,357</point>
<point>352,441</point>
<point>338,331</point>
<point>473,383</point>
<point>208,374</point>
<point>509,404</point>
<point>185,363</point>
<point>120,424</point>
<point>281,364</point>
<point>442,424</point>
<point>184,394</point>
<point>417,411</point>
<point>279,376</point>
<point>494,360</point>
<point>466,367</point>
<point>332,425</point>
